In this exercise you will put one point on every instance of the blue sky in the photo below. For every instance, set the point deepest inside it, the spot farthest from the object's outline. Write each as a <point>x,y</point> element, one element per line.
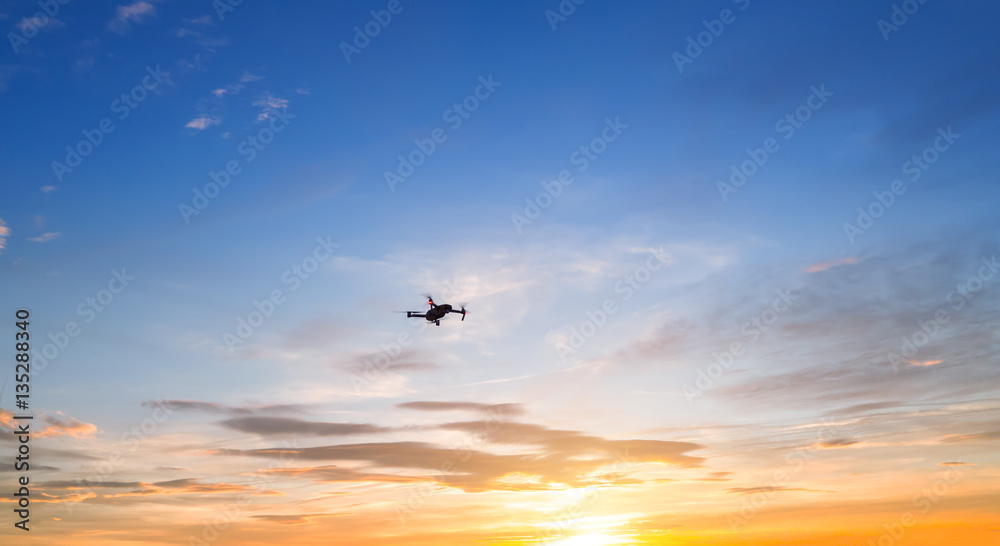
<point>266,70</point>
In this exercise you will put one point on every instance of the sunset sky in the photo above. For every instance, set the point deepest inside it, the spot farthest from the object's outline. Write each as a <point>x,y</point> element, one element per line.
<point>731,271</point>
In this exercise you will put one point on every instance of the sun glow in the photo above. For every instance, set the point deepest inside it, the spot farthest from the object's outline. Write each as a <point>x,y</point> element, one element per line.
<point>591,539</point>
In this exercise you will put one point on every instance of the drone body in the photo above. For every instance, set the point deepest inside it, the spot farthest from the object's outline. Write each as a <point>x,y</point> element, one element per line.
<point>436,312</point>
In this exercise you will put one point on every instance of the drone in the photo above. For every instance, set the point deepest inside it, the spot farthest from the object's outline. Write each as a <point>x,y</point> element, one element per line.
<point>436,312</point>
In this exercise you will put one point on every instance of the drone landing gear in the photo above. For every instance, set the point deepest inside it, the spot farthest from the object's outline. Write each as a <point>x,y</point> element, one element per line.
<point>438,322</point>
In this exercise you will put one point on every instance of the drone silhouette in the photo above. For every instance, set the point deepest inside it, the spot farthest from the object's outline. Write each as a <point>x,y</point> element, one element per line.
<point>436,312</point>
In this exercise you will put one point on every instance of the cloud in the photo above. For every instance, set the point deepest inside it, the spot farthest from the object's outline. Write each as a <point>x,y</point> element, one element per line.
<point>200,38</point>
<point>248,77</point>
<point>45,237</point>
<point>333,474</point>
<point>4,233</point>
<point>715,477</point>
<point>500,409</point>
<point>956,463</point>
<point>554,459</point>
<point>299,519</point>
<point>184,486</point>
<point>36,23</point>
<point>269,105</point>
<point>206,20</point>
<point>137,12</point>
<point>274,426</point>
<point>837,442</point>
<point>48,189</point>
<point>88,484</point>
<point>977,437</point>
<point>202,123</point>
<point>57,425</point>
<point>212,407</point>
<point>924,362</point>
<point>864,408</point>
<point>823,266</point>
<point>406,360</point>
<point>66,426</point>
<point>770,489</point>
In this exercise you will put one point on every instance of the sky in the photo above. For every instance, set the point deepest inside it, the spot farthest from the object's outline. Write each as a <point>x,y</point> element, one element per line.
<point>730,272</point>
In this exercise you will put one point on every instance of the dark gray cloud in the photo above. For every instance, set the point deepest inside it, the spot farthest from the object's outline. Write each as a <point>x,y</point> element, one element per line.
<point>87,484</point>
<point>553,456</point>
<point>213,407</point>
<point>274,426</point>
<point>497,409</point>
<point>838,442</point>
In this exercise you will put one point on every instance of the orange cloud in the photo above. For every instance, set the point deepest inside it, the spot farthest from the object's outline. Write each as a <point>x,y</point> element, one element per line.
<point>67,426</point>
<point>924,362</point>
<point>823,266</point>
<point>57,426</point>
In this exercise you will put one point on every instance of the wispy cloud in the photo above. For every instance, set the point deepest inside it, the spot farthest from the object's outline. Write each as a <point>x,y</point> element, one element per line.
<point>269,105</point>
<point>62,425</point>
<point>200,38</point>
<point>56,425</point>
<point>553,458</point>
<point>206,20</point>
<point>125,16</point>
<point>45,237</point>
<point>501,409</point>
<point>202,123</point>
<point>247,77</point>
<point>922,363</point>
<point>213,407</point>
<point>4,233</point>
<point>276,426</point>
<point>771,489</point>
<point>32,23</point>
<point>823,266</point>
